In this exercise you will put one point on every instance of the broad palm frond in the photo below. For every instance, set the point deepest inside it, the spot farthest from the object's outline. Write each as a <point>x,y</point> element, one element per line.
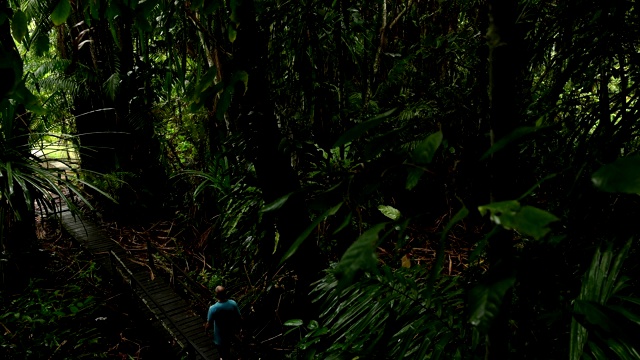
<point>390,315</point>
<point>602,320</point>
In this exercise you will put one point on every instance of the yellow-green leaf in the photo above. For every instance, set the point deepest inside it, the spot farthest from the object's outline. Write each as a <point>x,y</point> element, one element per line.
<point>390,212</point>
<point>61,12</point>
<point>19,25</point>
<point>232,33</point>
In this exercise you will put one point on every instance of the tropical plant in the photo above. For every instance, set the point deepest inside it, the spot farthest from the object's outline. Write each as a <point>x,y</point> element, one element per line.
<point>603,322</point>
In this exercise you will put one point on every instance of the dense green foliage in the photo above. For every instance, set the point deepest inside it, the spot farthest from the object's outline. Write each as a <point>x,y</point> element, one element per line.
<point>413,179</point>
<point>69,310</point>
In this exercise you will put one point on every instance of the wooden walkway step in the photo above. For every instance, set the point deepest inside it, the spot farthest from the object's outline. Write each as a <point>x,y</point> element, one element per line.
<point>169,308</point>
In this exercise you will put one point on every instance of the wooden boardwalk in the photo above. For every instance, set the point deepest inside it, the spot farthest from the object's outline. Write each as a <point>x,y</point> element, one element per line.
<point>169,308</point>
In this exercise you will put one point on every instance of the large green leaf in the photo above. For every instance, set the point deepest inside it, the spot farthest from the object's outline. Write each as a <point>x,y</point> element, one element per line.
<point>19,25</point>
<point>41,44</point>
<point>360,256</point>
<point>277,204</point>
<point>61,12</point>
<point>424,152</point>
<point>415,173</point>
<point>206,81</point>
<point>526,219</point>
<point>623,175</point>
<point>94,9</point>
<point>486,299</point>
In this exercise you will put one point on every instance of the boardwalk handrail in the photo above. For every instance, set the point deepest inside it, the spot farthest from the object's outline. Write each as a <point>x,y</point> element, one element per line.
<point>113,256</point>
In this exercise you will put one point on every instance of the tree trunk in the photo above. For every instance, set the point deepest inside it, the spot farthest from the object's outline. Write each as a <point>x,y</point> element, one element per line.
<point>504,68</point>
<point>259,125</point>
<point>17,217</point>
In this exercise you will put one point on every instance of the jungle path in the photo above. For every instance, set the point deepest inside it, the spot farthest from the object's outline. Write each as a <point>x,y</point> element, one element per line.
<point>169,308</point>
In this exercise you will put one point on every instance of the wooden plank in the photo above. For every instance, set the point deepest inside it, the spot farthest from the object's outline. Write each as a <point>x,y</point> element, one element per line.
<point>189,326</point>
<point>144,277</point>
<point>103,242</point>
<point>187,320</point>
<point>190,333</point>
<point>100,244</point>
<point>76,228</point>
<point>174,306</point>
<point>156,289</point>
<point>167,295</point>
<point>193,330</point>
<point>202,340</point>
<point>190,320</point>
<point>141,272</point>
<point>194,333</point>
<point>184,323</point>
<point>158,296</point>
<point>160,306</point>
<point>100,247</point>
<point>80,234</point>
<point>109,242</point>
<point>175,310</point>
<point>169,301</point>
<point>181,324</point>
<point>165,298</point>
<point>69,222</point>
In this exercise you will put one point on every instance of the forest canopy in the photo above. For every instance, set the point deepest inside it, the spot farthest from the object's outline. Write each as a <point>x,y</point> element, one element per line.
<point>412,178</point>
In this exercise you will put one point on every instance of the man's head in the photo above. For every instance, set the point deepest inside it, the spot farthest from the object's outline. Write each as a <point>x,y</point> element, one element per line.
<point>221,292</point>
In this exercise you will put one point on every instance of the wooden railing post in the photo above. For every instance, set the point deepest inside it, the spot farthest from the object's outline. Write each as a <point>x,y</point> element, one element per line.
<point>173,275</point>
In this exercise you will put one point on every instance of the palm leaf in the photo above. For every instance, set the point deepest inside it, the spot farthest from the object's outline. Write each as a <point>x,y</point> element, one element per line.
<point>597,289</point>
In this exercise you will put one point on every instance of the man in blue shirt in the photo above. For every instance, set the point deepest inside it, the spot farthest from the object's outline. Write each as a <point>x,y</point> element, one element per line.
<point>225,317</point>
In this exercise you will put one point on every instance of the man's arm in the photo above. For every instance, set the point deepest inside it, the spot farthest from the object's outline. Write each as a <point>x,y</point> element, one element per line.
<point>210,314</point>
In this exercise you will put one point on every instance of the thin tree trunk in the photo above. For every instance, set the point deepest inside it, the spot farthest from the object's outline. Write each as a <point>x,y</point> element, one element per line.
<point>503,72</point>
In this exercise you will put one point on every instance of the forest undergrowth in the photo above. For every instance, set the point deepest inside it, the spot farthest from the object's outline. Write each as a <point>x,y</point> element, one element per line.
<point>264,329</point>
<point>69,309</point>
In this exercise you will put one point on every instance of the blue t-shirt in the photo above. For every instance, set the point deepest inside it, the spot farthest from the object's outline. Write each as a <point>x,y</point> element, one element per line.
<point>225,316</point>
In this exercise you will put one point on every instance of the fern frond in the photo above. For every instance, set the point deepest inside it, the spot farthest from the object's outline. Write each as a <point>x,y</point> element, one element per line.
<point>391,315</point>
<point>111,85</point>
<point>593,309</point>
<point>53,66</point>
